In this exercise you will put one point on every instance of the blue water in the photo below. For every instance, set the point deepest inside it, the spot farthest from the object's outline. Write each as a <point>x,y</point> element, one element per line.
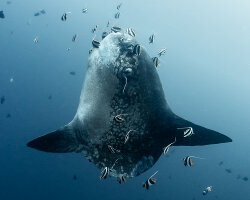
<point>205,75</point>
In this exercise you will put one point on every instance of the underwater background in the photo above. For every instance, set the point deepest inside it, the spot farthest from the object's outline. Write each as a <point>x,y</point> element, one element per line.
<point>205,75</point>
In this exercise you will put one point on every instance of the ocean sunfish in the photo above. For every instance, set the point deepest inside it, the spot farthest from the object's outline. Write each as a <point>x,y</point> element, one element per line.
<point>123,121</point>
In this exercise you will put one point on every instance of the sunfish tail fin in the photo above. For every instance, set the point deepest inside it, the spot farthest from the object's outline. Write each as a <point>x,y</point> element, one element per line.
<point>200,135</point>
<point>60,141</point>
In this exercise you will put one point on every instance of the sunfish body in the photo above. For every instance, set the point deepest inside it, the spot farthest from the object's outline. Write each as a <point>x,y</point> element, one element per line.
<point>123,120</point>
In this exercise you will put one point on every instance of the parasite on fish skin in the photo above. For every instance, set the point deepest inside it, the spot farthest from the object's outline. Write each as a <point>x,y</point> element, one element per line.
<point>96,43</point>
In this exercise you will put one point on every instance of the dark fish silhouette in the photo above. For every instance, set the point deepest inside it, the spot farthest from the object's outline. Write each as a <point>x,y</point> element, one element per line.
<point>72,73</point>
<point>119,82</point>
<point>2,15</point>
<point>2,100</point>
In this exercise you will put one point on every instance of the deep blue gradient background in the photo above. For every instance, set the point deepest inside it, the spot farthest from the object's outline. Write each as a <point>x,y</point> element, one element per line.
<point>205,76</point>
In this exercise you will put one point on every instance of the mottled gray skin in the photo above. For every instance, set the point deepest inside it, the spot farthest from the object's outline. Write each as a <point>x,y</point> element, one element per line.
<point>103,97</point>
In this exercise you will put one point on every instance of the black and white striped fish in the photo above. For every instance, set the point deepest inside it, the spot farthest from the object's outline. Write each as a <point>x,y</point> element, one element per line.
<point>36,39</point>
<point>137,50</point>
<point>188,131</point>
<point>117,15</point>
<point>150,181</point>
<point>119,118</point>
<point>116,29</point>
<point>96,43</point>
<point>64,16</point>
<point>127,136</point>
<point>131,32</point>
<point>84,10</point>
<point>119,6</point>
<point>207,190</point>
<point>162,51</point>
<point>156,61</point>
<point>104,34</point>
<point>166,149</point>
<point>121,179</point>
<point>104,173</point>
<point>94,29</point>
<point>74,38</point>
<point>188,161</point>
<point>151,39</point>
<point>112,149</point>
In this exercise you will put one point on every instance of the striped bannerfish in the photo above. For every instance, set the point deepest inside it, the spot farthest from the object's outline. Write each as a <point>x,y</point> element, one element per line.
<point>94,29</point>
<point>151,39</point>
<point>137,50</point>
<point>104,34</point>
<point>122,179</point>
<point>36,39</point>
<point>112,149</point>
<point>64,16</point>
<point>74,38</point>
<point>96,43</point>
<point>119,118</point>
<point>188,161</point>
<point>156,61</point>
<point>150,181</point>
<point>162,51</point>
<point>127,136</point>
<point>116,29</point>
<point>188,132</point>
<point>207,190</point>
<point>84,10</point>
<point>117,15</point>
<point>131,32</point>
<point>104,173</point>
<point>119,6</point>
<point>166,149</point>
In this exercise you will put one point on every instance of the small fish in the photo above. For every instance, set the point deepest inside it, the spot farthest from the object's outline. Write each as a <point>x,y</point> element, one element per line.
<point>96,43</point>
<point>207,190</point>
<point>119,6</point>
<point>94,29</point>
<point>8,115</point>
<point>84,10</point>
<point>156,61</point>
<point>166,149</point>
<point>64,16</point>
<point>221,163</point>
<point>131,32</point>
<point>150,181</point>
<point>137,50</point>
<point>127,136</point>
<point>72,73</point>
<point>74,177</point>
<point>108,24</point>
<point>245,178</point>
<point>43,11</point>
<point>35,40</point>
<point>117,15</point>
<point>2,100</point>
<point>104,173</point>
<point>2,14</point>
<point>68,49</point>
<point>74,38</point>
<point>162,51</point>
<point>119,118</point>
<point>228,171</point>
<point>8,2</point>
<point>37,14</point>
<point>188,132</point>
<point>50,97</point>
<point>121,179</point>
<point>188,161</point>
<point>151,39</point>
<point>104,34</point>
<point>113,150</point>
<point>116,29</point>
